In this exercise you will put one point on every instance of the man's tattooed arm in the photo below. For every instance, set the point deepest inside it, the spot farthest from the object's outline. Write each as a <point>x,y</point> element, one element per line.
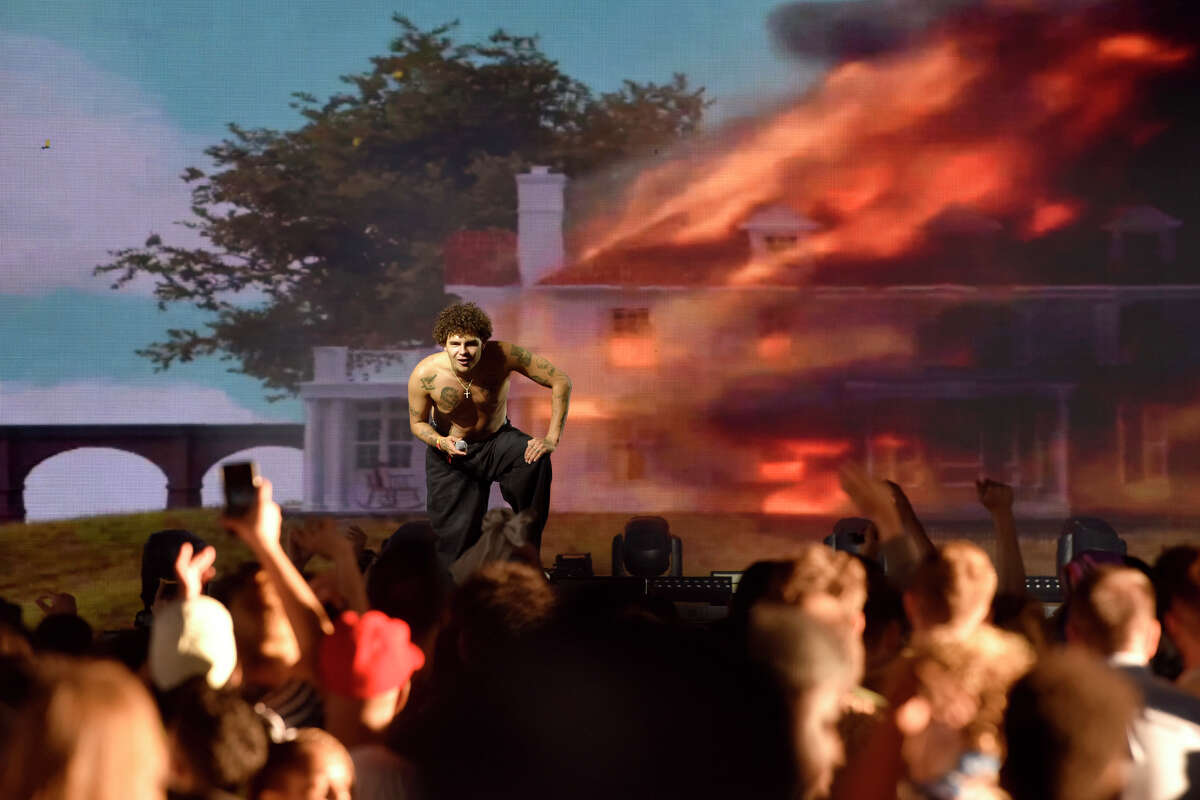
<point>419,406</point>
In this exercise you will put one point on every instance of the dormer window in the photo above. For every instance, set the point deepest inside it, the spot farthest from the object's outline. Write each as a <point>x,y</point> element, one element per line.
<point>777,228</point>
<point>777,243</point>
<point>1142,234</point>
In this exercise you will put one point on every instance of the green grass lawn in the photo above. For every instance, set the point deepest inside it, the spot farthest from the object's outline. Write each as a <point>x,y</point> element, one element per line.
<point>98,559</point>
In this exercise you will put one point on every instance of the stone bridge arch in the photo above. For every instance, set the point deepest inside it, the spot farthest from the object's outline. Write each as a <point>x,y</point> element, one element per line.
<point>183,452</point>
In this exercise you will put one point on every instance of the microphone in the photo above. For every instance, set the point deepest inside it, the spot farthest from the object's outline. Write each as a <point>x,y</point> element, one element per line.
<point>460,446</point>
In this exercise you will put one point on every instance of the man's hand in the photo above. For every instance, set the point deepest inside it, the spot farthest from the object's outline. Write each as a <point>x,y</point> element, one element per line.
<point>536,448</point>
<point>53,603</point>
<point>259,529</point>
<point>994,496</point>
<point>447,445</point>
<point>192,570</point>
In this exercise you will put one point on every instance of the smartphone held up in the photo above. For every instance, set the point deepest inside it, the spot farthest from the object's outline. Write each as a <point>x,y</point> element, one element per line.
<point>240,479</point>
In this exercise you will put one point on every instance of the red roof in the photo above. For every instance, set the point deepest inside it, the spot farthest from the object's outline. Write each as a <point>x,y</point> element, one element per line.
<point>708,264</point>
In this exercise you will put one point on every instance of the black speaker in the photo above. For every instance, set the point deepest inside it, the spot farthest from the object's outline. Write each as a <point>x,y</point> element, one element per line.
<point>647,549</point>
<point>1080,534</point>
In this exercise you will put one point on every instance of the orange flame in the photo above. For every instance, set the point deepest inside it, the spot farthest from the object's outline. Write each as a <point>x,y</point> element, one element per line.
<point>775,347</point>
<point>880,148</point>
<point>1142,48</point>
<point>1049,217</point>
<point>813,491</point>
<point>588,408</point>
<point>781,471</point>
<point>819,494</point>
<point>632,351</point>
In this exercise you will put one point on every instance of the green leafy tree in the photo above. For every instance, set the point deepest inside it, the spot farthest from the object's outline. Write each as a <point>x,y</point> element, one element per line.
<point>332,233</point>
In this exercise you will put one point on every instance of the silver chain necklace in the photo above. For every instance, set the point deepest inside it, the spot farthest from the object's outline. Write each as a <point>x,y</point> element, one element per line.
<point>466,386</point>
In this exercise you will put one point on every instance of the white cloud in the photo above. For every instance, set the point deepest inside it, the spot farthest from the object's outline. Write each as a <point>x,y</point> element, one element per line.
<point>84,402</point>
<point>110,177</point>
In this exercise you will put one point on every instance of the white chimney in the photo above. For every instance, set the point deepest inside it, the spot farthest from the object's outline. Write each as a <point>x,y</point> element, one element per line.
<point>539,223</point>
<point>329,364</point>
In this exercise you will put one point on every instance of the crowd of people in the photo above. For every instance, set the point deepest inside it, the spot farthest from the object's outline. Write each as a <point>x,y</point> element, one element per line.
<point>903,670</point>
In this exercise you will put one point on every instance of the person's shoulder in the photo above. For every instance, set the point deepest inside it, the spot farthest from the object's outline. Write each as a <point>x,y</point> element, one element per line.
<point>1161,695</point>
<point>500,352</point>
<point>512,352</point>
<point>429,362</point>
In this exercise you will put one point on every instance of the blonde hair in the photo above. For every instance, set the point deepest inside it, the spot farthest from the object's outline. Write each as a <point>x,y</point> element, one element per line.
<point>89,731</point>
<point>1109,606</point>
<point>956,586</point>
<point>818,569</point>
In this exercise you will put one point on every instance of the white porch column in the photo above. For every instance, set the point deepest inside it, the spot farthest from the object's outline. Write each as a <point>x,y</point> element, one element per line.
<point>312,455</point>
<point>334,455</point>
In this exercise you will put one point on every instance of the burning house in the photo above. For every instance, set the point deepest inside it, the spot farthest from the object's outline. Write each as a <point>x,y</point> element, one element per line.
<point>918,267</point>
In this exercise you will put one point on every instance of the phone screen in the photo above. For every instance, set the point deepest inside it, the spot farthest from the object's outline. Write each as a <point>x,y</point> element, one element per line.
<point>240,487</point>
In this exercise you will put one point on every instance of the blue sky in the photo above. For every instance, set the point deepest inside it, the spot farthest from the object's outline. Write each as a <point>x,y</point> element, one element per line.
<point>130,92</point>
<point>209,62</point>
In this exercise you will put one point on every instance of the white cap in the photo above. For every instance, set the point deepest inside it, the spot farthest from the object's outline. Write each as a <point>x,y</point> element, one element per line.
<point>190,638</point>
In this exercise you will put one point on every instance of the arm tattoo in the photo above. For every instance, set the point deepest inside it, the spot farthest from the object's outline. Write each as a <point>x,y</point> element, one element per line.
<point>414,413</point>
<point>449,396</point>
<point>427,381</point>
<point>545,365</point>
<point>521,355</point>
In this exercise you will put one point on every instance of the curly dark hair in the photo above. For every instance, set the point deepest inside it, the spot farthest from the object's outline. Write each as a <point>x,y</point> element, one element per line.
<point>461,318</point>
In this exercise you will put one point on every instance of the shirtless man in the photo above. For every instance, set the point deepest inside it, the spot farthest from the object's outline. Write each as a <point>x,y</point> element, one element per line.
<point>471,442</point>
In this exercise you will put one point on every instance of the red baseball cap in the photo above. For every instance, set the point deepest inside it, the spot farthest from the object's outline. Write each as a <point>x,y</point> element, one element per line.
<point>368,655</point>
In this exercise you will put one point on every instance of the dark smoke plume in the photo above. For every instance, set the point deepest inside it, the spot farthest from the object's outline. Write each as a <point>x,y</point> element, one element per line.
<point>854,29</point>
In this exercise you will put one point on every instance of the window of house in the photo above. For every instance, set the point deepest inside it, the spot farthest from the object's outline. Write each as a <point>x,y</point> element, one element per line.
<point>1143,442</point>
<point>631,321</point>
<point>381,434</point>
<point>971,335</point>
<point>628,462</point>
<point>631,341</point>
<point>779,242</point>
<point>775,333</point>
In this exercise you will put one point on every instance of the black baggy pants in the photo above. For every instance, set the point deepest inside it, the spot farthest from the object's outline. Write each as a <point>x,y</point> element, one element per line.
<point>458,490</point>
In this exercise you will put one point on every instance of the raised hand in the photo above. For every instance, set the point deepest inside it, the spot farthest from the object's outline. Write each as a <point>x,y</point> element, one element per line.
<point>193,570</point>
<point>259,529</point>
<point>994,496</point>
<point>53,603</point>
